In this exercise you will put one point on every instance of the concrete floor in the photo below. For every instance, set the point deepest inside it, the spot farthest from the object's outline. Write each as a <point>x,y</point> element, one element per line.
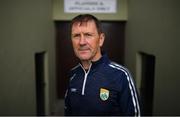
<point>59,109</point>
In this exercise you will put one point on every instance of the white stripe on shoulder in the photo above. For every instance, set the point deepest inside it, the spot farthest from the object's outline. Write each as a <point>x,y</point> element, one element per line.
<point>72,77</point>
<point>131,86</point>
<point>75,67</point>
<point>120,66</point>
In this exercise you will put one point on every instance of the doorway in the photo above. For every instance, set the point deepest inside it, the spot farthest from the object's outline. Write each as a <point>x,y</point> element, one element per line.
<point>40,83</point>
<point>65,59</point>
<point>146,88</point>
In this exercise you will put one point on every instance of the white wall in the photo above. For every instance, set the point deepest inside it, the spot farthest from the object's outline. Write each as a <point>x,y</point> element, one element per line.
<point>153,27</point>
<point>26,27</point>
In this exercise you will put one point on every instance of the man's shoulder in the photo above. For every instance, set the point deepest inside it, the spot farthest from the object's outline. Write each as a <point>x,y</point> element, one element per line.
<point>73,71</point>
<point>119,74</point>
<point>116,66</point>
<point>75,67</point>
<point>116,69</point>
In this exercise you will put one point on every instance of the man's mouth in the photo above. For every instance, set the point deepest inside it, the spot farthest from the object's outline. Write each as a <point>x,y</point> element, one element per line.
<point>84,50</point>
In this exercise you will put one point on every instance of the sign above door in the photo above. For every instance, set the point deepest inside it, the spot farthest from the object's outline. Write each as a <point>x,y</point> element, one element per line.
<point>90,6</point>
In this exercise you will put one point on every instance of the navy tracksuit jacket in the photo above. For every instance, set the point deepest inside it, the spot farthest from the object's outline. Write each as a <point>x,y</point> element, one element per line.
<point>105,89</point>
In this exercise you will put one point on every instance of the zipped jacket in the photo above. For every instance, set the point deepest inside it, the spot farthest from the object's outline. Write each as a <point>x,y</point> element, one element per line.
<point>106,88</point>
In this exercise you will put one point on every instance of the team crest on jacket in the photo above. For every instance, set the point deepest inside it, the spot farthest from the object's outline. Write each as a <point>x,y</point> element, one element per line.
<point>104,94</point>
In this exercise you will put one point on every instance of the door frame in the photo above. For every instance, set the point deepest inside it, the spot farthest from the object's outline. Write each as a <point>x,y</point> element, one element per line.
<point>46,82</point>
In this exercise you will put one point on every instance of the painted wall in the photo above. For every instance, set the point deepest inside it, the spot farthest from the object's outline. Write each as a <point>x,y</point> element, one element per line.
<point>26,27</point>
<point>153,27</point>
<point>58,12</point>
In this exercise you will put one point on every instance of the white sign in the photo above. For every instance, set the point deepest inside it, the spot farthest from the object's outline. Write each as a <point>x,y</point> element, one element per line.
<point>90,6</point>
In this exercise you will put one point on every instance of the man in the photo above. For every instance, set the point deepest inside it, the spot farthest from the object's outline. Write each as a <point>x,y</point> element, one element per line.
<point>97,85</point>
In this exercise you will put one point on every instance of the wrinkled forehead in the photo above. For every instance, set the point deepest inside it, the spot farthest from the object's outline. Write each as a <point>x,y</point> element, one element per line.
<point>89,26</point>
<point>83,23</point>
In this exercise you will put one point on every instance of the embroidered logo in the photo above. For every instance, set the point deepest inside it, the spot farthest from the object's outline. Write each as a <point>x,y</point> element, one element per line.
<point>73,90</point>
<point>104,94</point>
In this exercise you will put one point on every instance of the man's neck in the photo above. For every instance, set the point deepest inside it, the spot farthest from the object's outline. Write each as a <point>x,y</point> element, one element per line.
<point>86,64</point>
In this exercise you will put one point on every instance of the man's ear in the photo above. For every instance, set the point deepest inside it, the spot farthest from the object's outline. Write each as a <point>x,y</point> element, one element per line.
<point>102,38</point>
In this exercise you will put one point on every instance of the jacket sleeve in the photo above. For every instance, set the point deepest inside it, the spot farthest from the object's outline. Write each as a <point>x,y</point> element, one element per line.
<point>128,97</point>
<point>67,107</point>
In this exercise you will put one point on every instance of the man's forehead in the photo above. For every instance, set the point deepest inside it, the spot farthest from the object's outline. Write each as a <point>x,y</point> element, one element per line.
<point>83,23</point>
<point>89,26</point>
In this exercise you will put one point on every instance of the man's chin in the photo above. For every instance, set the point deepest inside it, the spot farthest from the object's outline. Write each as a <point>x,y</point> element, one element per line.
<point>84,58</point>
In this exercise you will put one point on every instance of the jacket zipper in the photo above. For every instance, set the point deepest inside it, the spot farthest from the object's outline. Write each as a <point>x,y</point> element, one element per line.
<point>85,78</point>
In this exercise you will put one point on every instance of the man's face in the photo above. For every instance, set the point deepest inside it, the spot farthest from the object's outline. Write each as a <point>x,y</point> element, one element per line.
<point>86,41</point>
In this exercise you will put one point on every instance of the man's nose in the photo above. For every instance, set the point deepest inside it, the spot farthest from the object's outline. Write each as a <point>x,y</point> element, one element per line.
<point>82,40</point>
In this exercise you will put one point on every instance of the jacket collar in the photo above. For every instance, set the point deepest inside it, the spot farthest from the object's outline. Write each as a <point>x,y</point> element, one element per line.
<point>95,64</point>
<point>102,60</point>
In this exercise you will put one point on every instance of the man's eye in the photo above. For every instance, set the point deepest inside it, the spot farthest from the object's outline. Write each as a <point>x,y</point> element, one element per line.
<point>76,36</point>
<point>88,35</point>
